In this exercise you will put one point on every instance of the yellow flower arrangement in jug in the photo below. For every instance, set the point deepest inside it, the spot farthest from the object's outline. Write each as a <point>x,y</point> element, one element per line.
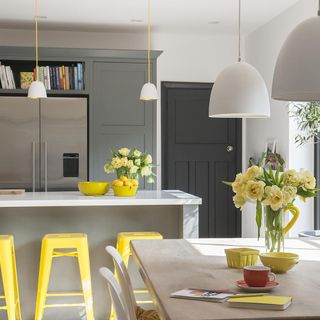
<point>276,191</point>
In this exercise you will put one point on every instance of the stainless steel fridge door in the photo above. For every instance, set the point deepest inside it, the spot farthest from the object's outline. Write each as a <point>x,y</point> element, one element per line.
<point>19,142</point>
<point>63,136</point>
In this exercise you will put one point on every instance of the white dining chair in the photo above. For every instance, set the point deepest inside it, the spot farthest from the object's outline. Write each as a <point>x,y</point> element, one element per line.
<point>116,294</point>
<point>135,312</point>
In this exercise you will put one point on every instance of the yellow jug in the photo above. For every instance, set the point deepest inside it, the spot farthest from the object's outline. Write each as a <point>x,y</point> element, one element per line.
<point>295,212</point>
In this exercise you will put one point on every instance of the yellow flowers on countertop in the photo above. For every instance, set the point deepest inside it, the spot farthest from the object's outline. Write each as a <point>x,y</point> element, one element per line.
<point>131,163</point>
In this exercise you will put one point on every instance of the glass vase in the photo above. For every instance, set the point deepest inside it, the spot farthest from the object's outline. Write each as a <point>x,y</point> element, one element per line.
<point>273,223</point>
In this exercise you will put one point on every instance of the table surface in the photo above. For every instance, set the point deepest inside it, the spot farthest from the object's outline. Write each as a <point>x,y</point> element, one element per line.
<point>171,265</point>
<point>73,198</point>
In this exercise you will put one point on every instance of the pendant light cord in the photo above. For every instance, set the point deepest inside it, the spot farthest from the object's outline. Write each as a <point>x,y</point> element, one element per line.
<point>37,40</point>
<point>149,40</point>
<point>239,32</point>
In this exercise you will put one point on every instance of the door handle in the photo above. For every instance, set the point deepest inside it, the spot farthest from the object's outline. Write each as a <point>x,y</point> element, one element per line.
<point>229,148</point>
<point>33,166</point>
<point>45,166</point>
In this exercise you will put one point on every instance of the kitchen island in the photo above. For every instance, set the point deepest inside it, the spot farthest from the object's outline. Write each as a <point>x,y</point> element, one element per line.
<point>29,216</point>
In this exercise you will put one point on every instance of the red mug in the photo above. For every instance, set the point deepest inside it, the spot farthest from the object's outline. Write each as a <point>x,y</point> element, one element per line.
<point>258,276</point>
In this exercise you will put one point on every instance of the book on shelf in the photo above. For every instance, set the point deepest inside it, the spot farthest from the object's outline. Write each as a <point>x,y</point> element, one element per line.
<point>266,302</point>
<point>7,80</point>
<point>26,79</point>
<point>70,77</point>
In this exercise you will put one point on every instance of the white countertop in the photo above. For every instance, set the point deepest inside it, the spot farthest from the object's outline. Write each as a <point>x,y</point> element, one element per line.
<point>74,199</point>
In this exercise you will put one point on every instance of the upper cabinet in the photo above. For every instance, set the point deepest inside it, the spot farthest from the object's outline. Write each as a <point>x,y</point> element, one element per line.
<point>120,118</point>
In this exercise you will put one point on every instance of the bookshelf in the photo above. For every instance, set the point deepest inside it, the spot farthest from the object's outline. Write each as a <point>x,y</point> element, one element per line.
<point>56,75</point>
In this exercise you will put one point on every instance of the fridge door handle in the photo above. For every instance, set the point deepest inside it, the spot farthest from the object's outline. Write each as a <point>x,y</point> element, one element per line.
<point>33,166</point>
<point>45,166</point>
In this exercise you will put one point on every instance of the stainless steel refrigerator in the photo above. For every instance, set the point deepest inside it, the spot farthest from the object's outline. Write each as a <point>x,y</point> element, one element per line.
<point>43,143</point>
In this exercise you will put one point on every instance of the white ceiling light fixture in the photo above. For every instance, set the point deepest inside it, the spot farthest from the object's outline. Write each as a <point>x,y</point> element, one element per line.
<point>37,89</point>
<point>297,72</point>
<point>149,90</point>
<point>239,90</point>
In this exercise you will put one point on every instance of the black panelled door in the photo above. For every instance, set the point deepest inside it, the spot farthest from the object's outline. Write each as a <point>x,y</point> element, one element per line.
<point>198,153</point>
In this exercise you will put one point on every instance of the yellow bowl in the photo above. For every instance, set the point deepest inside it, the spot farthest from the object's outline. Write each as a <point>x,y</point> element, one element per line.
<point>92,188</point>
<point>125,191</point>
<point>279,262</point>
<point>241,257</point>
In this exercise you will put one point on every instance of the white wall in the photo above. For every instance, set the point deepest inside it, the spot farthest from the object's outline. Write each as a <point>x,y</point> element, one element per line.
<point>190,58</point>
<point>262,49</point>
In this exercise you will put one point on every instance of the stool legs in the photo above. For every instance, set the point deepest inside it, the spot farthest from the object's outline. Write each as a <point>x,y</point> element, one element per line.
<point>16,287</point>
<point>84,266</point>
<point>10,280</point>
<point>43,281</point>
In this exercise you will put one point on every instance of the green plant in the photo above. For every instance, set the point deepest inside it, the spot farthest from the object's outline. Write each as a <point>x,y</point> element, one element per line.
<point>307,117</point>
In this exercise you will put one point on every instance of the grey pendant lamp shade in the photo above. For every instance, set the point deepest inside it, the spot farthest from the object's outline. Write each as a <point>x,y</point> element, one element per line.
<point>297,72</point>
<point>239,91</point>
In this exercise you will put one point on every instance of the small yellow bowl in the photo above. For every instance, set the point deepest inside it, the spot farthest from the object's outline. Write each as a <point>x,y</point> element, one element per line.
<point>93,188</point>
<point>125,191</point>
<point>279,262</point>
<point>241,257</point>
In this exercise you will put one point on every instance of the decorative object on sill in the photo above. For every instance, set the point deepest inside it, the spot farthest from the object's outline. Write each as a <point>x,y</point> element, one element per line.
<point>269,160</point>
<point>274,193</point>
<point>129,165</point>
<point>93,188</point>
<point>37,89</point>
<point>297,72</point>
<point>239,90</point>
<point>149,90</point>
<point>307,117</point>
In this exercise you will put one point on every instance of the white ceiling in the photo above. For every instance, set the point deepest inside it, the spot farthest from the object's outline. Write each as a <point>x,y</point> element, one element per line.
<point>174,16</point>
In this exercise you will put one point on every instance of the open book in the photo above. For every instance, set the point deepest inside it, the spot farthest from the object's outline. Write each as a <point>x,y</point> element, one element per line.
<point>202,294</point>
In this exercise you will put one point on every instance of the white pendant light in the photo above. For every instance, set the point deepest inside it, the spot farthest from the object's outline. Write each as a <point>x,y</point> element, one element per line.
<point>239,90</point>
<point>297,72</point>
<point>149,90</point>
<point>37,89</point>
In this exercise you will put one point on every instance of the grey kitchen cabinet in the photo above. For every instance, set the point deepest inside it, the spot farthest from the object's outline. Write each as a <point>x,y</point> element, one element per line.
<point>113,81</point>
<point>120,118</point>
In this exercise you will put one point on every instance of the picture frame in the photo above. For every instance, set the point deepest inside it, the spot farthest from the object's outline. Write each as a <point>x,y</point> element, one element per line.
<point>271,146</point>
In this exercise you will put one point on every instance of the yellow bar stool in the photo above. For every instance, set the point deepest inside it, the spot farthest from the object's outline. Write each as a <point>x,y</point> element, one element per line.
<point>9,278</point>
<point>123,247</point>
<point>51,243</point>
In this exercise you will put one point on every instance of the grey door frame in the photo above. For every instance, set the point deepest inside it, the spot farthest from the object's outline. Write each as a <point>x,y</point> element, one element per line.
<point>165,87</point>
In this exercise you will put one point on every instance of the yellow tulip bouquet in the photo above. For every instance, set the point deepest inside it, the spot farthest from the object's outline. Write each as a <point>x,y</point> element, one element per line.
<point>131,163</point>
<point>276,191</point>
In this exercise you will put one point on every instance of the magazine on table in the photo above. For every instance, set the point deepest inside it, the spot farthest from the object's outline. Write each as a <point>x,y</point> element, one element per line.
<point>203,295</point>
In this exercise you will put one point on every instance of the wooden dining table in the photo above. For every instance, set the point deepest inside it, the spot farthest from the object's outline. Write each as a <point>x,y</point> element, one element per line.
<point>167,266</point>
